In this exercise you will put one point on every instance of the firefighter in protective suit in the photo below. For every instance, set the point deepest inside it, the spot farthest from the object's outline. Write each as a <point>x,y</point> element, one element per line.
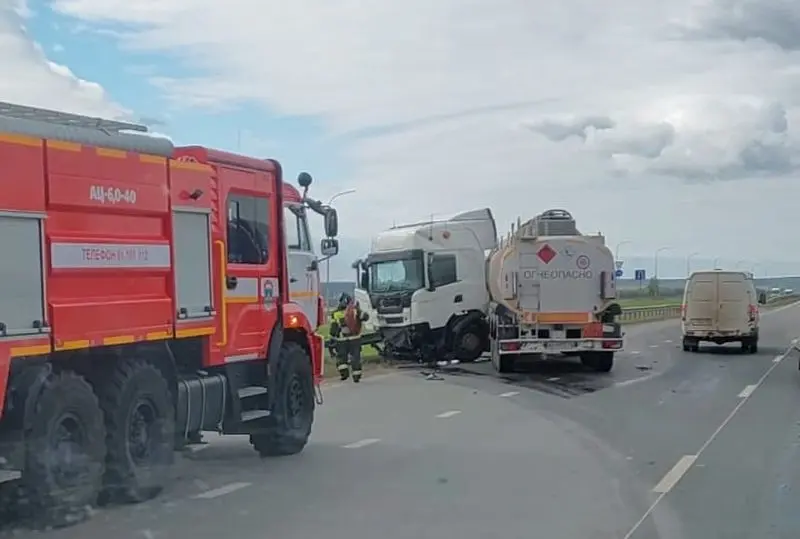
<point>348,319</point>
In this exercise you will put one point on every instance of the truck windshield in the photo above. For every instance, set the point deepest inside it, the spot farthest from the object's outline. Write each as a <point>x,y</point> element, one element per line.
<point>396,275</point>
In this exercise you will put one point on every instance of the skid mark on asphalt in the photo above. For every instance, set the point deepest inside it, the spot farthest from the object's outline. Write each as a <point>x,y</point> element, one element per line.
<point>564,378</point>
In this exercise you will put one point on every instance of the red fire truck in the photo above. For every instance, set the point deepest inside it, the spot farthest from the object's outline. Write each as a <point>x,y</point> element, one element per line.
<point>149,293</point>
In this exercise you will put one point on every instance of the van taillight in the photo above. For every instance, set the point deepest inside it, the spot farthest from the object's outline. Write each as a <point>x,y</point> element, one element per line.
<point>752,311</point>
<point>683,312</point>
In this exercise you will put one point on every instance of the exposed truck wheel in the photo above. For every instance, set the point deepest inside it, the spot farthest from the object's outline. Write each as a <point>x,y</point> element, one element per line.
<point>65,453</point>
<point>469,343</point>
<point>598,361</point>
<point>140,425</point>
<point>293,412</point>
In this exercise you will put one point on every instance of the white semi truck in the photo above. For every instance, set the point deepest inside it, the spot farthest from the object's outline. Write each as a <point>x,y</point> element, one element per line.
<point>553,291</point>
<point>447,289</point>
<point>426,284</point>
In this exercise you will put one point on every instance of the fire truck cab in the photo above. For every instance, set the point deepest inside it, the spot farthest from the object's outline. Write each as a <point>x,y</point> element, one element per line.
<point>149,293</point>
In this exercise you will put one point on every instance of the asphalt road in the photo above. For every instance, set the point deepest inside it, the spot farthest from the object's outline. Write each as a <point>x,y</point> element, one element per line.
<point>670,445</point>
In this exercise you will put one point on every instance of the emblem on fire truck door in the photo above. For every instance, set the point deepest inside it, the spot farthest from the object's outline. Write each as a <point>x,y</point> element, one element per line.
<point>269,287</point>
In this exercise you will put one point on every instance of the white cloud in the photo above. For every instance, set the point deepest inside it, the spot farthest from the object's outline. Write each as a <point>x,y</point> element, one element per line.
<point>31,79</point>
<point>466,103</point>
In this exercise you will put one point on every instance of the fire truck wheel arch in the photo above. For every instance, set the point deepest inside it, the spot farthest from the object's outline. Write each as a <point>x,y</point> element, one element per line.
<point>293,405</point>
<point>65,442</point>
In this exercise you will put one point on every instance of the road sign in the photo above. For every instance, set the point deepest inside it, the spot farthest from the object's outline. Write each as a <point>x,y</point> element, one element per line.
<point>640,275</point>
<point>619,264</point>
<point>619,273</point>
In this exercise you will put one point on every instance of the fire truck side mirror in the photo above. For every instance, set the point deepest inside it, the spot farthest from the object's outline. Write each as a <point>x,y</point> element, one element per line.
<point>331,223</point>
<point>329,247</point>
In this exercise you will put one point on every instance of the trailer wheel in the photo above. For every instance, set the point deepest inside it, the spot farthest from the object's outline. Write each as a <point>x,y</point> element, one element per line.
<point>293,412</point>
<point>598,361</point>
<point>140,421</point>
<point>65,453</point>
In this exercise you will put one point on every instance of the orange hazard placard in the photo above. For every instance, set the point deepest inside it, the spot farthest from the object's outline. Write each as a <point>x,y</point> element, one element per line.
<point>593,330</point>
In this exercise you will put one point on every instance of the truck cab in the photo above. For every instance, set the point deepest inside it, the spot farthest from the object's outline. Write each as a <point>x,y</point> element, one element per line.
<point>426,283</point>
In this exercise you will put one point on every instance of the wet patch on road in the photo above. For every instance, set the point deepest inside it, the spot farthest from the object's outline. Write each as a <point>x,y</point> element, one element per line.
<point>565,378</point>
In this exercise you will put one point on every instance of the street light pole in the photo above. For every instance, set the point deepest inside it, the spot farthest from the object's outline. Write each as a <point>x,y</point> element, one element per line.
<point>689,263</point>
<point>659,250</point>
<point>716,263</point>
<point>620,244</point>
<point>328,261</point>
<point>655,270</point>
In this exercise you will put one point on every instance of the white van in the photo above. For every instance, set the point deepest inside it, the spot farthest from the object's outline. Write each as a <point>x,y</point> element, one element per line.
<point>720,306</point>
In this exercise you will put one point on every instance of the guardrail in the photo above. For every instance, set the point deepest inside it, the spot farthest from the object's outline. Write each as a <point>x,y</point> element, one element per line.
<point>673,310</point>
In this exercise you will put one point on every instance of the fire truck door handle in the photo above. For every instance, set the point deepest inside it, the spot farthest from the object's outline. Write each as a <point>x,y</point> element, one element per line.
<point>458,299</point>
<point>231,282</point>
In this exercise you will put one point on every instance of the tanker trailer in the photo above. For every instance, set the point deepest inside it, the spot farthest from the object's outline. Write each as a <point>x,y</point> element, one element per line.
<point>552,291</point>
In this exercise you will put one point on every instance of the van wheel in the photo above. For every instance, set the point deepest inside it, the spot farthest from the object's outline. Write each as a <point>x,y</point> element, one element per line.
<point>750,346</point>
<point>690,345</point>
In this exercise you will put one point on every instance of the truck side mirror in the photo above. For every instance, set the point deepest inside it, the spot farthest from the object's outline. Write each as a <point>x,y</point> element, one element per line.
<point>429,271</point>
<point>331,223</point>
<point>762,298</point>
<point>364,280</point>
<point>329,247</point>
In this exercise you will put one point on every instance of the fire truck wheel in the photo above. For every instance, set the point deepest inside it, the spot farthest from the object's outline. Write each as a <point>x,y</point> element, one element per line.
<point>140,420</point>
<point>293,413</point>
<point>65,453</point>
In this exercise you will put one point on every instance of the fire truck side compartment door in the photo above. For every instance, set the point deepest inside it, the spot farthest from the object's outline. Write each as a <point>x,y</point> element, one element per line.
<point>192,241</point>
<point>21,279</point>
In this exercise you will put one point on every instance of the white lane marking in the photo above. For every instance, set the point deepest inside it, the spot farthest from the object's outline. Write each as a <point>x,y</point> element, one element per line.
<point>451,413</point>
<point>697,455</point>
<point>747,391</point>
<point>362,443</point>
<point>778,359</point>
<point>196,448</point>
<point>653,346</point>
<point>554,379</point>
<point>222,491</point>
<point>632,381</point>
<point>634,352</point>
<point>674,475</point>
<point>509,394</point>
<point>668,341</point>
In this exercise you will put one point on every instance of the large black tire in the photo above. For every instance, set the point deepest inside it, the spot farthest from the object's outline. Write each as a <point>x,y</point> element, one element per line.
<point>598,361</point>
<point>469,344</point>
<point>140,426</point>
<point>65,453</point>
<point>293,413</point>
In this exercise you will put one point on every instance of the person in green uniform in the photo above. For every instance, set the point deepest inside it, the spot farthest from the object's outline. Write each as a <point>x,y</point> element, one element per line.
<point>346,326</point>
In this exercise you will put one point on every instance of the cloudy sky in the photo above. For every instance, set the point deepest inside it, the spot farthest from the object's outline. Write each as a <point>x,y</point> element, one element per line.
<point>661,124</point>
